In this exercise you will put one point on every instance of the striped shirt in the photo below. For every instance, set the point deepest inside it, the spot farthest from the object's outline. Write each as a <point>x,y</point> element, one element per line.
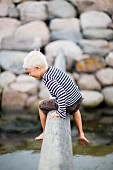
<point>62,88</point>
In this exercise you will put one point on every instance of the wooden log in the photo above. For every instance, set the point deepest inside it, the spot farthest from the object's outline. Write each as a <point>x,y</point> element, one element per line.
<point>56,151</point>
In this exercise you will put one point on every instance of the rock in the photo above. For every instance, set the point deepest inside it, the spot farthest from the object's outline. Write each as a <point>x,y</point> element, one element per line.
<point>95,33</point>
<point>105,76</point>
<point>89,5</point>
<point>72,50</point>
<point>8,26</point>
<point>91,98</point>
<point>90,64</point>
<point>13,12</point>
<point>95,47</point>
<point>65,29</point>
<point>26,78</point>
<point>12,61</point>
<point>6,78</point>
<point>4,5</point>
<point>111,45</point>
<point>109,59</point>
<point>61,9</point>
<point>32,10</point>
<point>15,43</point>
<point>13,101</point>
<point>44,93</point>
<point>107,120</point>
<point>108,95</point>
<point>97,18</point>
<point>32,104</point>
<point>32,31</point>
<point>76,76</point>
<point>24,87</point>
<point>88,82</point>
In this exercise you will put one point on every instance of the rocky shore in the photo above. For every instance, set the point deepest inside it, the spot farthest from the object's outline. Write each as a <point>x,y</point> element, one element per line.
<point>81,29</point>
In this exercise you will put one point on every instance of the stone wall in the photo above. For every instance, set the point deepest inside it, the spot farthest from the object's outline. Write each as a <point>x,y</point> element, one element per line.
<point>82,29</point>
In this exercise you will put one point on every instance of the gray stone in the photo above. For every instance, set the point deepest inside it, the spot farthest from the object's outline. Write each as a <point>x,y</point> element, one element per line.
<point>32,10</point>
<point>15,43</point>
<point>12,61</point>
<point>4,5</point>
<point>95,47</point>
<point>61,9</point>
<point>6,78</point>
<point>105,76</point>
<point>95,33</point>
<point>69,48</point>
<point>88,82</point>
<point>7,27</point>
<point>109,59</point>
<point>89,5</point>
<point>26,78</point>
<point>108,95</point>
<point>44,93</point>
<point>65,29</point>
<point>100,20</point>
<point>13,101</point>
<point>32,31</point>
<point>13,12</point>
<point>24,87</point>
<point>92,98</point>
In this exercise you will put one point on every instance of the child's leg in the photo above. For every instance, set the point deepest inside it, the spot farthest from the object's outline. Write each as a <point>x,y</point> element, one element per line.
<point>78,121</point>
<point>43,123</point>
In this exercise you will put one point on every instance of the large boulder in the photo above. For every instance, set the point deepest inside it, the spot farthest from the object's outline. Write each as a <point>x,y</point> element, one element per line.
<point>89,5</point>
<point>95,47</point>
<point>4,6</point>
<point>108,95</point>
<point>13,101</point>
<point>61,9</point>
<point>12,61</point>
<point>88,82</point>
<point>26,78</point>
<point>33,31</point>
<point>91,98</point>
<point>6,78</point>
<point>62,29</point>
<point>32,10</point>
<point>69,48</point>
<point>7,27</point>
<point>94,19</point>
<point>95,33</point>
<point>105,76</point>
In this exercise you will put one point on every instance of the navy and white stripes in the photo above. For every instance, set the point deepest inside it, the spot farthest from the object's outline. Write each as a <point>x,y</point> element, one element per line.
<point>62,88</point>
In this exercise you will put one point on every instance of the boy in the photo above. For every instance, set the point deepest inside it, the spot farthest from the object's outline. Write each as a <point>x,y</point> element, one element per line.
<point>67,95</point>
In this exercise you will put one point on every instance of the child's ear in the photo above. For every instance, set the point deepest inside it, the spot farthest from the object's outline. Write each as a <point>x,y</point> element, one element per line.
<point>38,67</point>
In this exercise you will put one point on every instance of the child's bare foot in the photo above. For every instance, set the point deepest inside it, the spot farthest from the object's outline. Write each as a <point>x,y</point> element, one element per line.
<point>83,140</point>
<point>40,137</point>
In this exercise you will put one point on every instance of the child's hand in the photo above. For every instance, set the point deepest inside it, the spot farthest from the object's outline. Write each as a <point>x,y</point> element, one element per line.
<point>54,115</point>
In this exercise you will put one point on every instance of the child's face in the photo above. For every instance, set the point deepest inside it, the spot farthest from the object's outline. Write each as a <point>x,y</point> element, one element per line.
<point>35,72</point>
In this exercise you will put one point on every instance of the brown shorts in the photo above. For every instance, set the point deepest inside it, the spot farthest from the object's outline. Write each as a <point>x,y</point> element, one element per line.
<point>48,105</point>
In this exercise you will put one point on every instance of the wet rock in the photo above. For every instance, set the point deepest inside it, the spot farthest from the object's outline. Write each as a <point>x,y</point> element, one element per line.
<point>13,101</point>
<point>8,26</point>
<point>24,87</point>
<point>61,9</point>
<point>89,5</point>
<point>65,29</point>
<point>32,10</point>
<point>91,98</point>
<point>89,65</point>
<point>72,50</point>
<point>6,78</point>
<point>95,33</point>
<point>32,31</point>
<point>88,82</point>
<point>95,47</point>
<point>97,18</point>
<point>105,76</point>
<point>108,95</point>
<point>12,61</point>
<point>109,59</point>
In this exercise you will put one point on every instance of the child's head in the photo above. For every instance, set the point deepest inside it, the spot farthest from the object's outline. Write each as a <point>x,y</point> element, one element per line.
<point>35,58</point>
<point>35,64</point>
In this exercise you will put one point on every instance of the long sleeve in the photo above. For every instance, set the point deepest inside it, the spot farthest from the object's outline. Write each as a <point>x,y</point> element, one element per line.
<point>58,91</point>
